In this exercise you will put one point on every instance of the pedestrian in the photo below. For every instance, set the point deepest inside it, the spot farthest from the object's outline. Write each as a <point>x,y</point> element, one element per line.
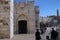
<point>54,34</point>
<point>37,35</point>
<point>47,33</point>
<point>58,30</point>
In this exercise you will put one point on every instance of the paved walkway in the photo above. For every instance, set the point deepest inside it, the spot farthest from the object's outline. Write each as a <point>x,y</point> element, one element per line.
<point>27,37</point>
<point>24,37</point>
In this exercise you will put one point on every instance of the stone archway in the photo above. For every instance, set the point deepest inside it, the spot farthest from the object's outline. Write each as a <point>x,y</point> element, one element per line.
<point>18,23</point>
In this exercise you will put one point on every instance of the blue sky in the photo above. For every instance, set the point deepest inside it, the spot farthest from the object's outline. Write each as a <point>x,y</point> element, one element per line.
<point>47,7</point>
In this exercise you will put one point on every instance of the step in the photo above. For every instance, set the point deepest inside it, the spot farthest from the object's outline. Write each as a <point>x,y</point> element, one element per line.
<point>24,37</point>
<point>4,39</point>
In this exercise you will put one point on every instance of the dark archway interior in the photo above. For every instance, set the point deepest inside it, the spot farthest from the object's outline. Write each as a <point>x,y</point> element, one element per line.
<point>22,27</point>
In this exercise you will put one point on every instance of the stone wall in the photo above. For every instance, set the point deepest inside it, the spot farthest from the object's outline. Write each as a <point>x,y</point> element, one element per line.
<point>4,19</point>
<point>22,11</point>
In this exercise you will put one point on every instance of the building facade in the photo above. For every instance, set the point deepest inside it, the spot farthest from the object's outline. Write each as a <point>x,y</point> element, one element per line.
<point>45,19</point>
<point>25,17</point>
<point>25,14</point>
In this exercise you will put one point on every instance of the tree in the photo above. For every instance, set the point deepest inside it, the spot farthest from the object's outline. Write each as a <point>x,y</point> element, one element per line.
<point>42,25</point>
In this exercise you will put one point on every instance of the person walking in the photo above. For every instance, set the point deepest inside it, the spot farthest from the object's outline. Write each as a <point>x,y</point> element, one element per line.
<point>54,34</point>
<point>37,35</point>
<point>47,33</point>
<point>58,30</point>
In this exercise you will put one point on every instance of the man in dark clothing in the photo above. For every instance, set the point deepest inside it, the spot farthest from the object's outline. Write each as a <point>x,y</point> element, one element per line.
<point>37,35</point>
<point>54,34</point>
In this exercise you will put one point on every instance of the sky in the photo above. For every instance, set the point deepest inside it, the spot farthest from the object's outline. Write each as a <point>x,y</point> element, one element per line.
<point>47,7</point>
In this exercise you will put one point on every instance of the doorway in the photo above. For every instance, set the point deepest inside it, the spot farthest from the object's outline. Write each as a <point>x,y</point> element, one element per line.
<point>22,27</point>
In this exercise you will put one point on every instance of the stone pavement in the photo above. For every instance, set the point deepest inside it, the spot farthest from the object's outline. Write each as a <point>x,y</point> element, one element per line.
<point>24,37</point>
<point>27,37</point>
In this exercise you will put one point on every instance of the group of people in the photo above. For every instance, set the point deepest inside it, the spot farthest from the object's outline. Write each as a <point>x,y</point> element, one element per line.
<point>54,34</point>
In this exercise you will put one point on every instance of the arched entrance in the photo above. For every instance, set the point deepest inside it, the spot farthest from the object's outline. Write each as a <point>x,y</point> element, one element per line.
<point>22,26</point>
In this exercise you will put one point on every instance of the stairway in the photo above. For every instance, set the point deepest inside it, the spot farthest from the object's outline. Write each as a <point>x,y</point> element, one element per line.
<point>24,37</point>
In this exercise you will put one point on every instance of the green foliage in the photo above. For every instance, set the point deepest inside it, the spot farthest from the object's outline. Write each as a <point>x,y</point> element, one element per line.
<point>42,25</point>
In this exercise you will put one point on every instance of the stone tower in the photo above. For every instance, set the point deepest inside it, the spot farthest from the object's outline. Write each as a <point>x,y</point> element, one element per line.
<point>58,19</point>
<point>4,19</point>
<point>57,12</point>
<point>24,17</point>
<point>37,17</point>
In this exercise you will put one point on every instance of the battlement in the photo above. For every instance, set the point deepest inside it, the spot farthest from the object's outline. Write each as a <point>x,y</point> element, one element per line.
<point>24,2</point>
